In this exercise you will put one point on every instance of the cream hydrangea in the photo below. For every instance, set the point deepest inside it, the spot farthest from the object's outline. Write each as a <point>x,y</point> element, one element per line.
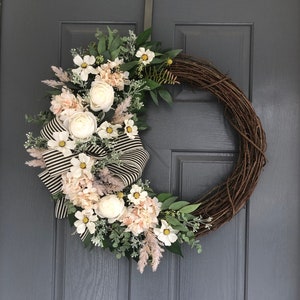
<point>65,100</point>
<point>141,217</point>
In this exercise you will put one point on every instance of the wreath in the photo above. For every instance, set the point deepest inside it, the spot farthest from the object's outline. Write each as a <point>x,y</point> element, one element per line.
<point>93,158</point>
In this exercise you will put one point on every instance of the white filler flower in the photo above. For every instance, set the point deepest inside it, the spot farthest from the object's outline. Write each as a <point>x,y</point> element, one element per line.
<point>84,66</point>
<point>146,56</point>
<point>137,194</point>
<point>61,143</point>
<point>108,130</point>
<point>82,165</point>
<point>130,129</point>
<point>86,219</point>
<point>166,233</point>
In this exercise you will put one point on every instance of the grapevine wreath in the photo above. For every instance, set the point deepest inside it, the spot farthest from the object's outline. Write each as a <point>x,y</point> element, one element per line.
<point>93,158</point>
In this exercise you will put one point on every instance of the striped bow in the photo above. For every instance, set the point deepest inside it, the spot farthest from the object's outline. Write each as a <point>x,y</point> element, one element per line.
<point>133,158</point>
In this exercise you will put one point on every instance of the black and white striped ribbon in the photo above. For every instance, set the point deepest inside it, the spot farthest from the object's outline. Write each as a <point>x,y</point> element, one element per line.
<point>133,158</point>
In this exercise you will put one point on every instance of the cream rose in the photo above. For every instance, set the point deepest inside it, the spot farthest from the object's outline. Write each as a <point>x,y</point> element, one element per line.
<point>110,207</point>
<point>101,96</point>
<point>81,125</point>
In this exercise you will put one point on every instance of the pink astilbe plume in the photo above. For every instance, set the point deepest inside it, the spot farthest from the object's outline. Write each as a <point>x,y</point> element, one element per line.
<point>121,112</point>
<point>151,249</point>
<point>38,154</point>
<point>108,183</point>
<point>53,83</point>
<point>60,74</point>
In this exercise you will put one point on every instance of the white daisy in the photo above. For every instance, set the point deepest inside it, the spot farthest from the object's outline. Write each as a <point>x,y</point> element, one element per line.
<point>137,194</point>
<point>146,56</point>
<point>86,219</point>
<point>84,66</point>
<point>166,233</point>
<point>81,165</point>
<point>130,129</point>
<point>108,131</point>
<point>61,143</point>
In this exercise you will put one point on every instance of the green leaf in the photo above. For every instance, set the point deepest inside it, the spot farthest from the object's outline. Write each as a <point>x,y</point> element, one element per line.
<point>114,54</point>
<point>143,37</point>
<point>165,95</point>
<point>116,43</point>
<point>172,53</point>
<point>179,204</point>
<point>168,202</point>
<point>154,98</point>
<point>163,196</point>
<point>92,50</point>
<point>172,220</point>
<point>152,84</point>
<point>110,37</point>
<point>175,248</point>
<point>101,44</point>
<point>128,66</point>
<point>189,208</point>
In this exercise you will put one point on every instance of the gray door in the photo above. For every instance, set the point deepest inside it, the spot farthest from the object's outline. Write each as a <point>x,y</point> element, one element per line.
<point>253,257</point>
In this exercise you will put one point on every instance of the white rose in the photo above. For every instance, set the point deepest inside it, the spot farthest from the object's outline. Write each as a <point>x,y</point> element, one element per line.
<point>101,96</point>
<point>81,125</point>
<point>110,207</point>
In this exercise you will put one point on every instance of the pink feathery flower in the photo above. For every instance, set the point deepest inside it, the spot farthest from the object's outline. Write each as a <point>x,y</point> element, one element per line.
<point>60,74</point>
<point>151,248</point>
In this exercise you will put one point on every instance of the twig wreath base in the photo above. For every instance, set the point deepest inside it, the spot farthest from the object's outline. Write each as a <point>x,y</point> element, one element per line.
<point>225,200</point>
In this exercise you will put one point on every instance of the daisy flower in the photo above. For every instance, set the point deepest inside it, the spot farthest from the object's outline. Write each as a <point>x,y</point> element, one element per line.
<point>84,66</point>
<point>166,233</point>
<point>81,165</point>
<point>146,56</point>
<point>61,143</point>
<point>108,130</point>
<point>130,129</point>
<point>137,194</point>
<point>86,219</point>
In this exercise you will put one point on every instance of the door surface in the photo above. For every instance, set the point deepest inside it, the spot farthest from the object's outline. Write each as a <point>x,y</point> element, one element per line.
<point>253,257</point>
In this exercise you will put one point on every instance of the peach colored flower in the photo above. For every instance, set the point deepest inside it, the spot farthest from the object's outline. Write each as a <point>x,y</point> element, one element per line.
<point>139,218</point>
<point>65,100</point>
<point>111,74</point>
